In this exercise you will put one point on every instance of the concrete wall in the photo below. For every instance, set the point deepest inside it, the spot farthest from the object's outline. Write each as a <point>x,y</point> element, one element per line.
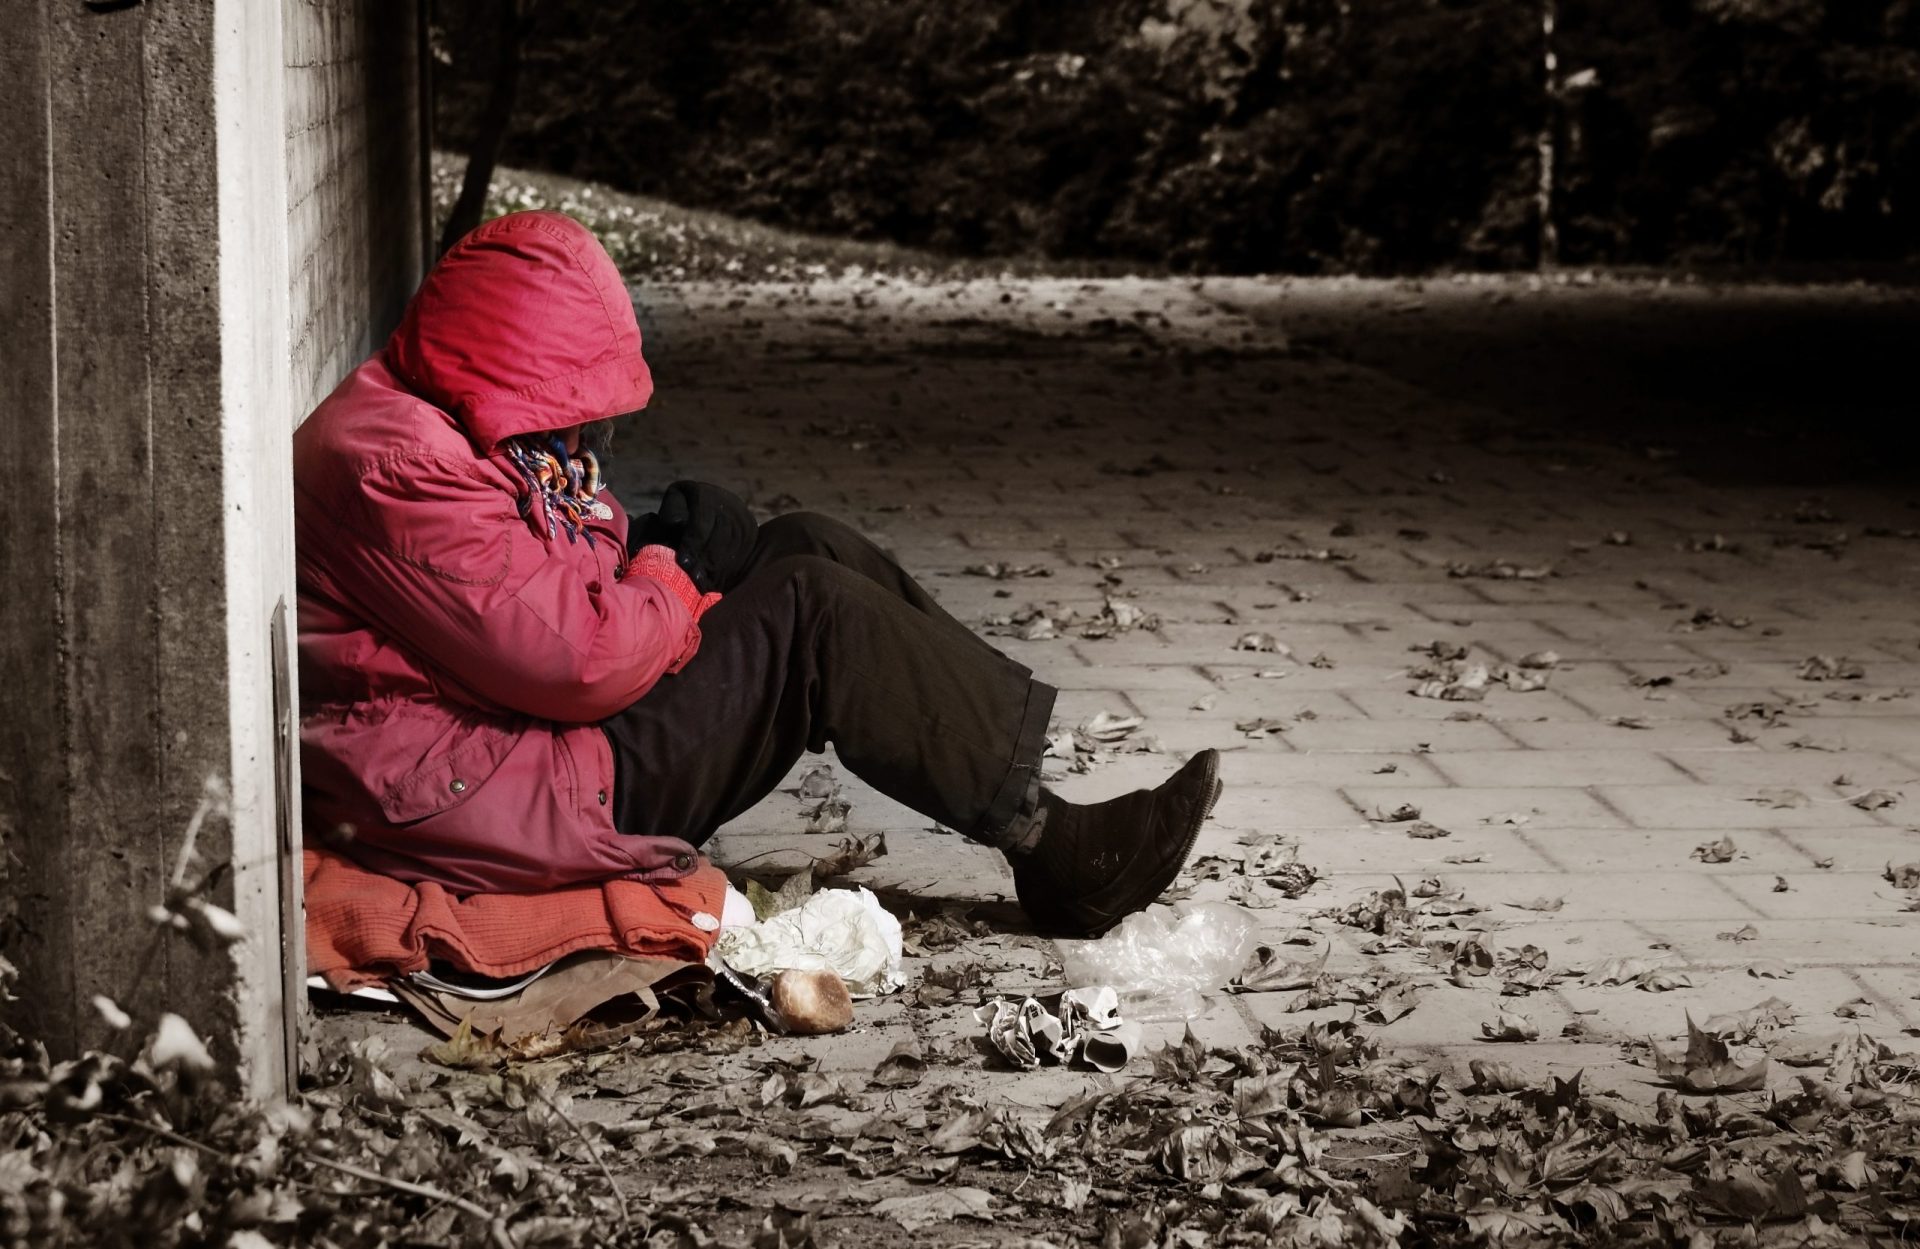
<point>356,180</point>
<point>155,274</point>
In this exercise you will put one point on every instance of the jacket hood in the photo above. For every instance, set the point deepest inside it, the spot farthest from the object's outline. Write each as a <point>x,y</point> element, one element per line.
<point>524,325</point>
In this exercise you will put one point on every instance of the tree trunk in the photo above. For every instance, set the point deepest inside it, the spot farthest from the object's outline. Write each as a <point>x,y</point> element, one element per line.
<point>1549,239</point>
<point>513,19</point>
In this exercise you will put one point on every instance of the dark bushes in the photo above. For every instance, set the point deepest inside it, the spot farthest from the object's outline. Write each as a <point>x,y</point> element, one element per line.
<point>1244,135</point>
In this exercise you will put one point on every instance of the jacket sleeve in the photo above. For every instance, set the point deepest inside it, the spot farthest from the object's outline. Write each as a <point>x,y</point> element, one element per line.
<point>437,556</point>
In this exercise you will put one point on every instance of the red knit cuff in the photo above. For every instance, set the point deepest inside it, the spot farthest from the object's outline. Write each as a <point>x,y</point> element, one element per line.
<point>658,562</point>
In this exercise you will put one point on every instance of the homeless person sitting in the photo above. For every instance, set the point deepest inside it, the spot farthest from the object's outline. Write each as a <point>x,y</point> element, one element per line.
<point>508,688</point>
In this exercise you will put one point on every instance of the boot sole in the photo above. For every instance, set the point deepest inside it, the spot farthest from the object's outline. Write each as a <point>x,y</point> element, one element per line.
<point>1148,893</point>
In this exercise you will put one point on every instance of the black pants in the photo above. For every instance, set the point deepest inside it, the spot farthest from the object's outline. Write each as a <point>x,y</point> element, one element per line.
<point>823,639</point>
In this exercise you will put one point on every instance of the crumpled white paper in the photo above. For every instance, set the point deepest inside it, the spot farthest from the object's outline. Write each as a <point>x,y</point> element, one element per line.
<point>1087,1024</point>
<point>839,930</point>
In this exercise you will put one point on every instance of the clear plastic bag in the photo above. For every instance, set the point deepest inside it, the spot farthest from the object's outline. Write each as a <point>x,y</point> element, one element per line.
<point>1162,962</point>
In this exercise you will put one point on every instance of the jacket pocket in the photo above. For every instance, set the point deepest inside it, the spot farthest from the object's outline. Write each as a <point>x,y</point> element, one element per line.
<point>449,778</point>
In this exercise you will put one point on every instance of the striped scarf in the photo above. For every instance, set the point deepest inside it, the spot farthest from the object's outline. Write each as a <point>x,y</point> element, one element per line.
<point>564,487</point>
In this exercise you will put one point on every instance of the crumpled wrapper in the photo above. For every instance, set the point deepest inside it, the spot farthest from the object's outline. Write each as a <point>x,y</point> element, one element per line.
<point>840,930</point>
<point>1084,1024</point>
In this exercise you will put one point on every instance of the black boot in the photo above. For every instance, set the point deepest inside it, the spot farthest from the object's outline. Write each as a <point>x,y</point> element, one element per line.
<point>1092,866</point>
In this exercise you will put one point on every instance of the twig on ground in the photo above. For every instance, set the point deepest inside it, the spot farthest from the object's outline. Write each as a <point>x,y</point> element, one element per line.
<point>496,1226</point>
<point>593,1151</point>
<point>175,1138</point>
<point>166,1134</point>
<point>781,850</point>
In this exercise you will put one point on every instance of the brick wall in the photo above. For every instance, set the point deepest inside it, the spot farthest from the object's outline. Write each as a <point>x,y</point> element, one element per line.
<point>355,178</point>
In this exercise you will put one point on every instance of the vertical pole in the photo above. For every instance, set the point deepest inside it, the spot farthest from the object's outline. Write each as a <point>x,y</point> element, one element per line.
<point>256,482</point>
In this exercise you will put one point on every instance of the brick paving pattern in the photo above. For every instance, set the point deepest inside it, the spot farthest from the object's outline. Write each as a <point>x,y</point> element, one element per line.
<point>1166,443</point>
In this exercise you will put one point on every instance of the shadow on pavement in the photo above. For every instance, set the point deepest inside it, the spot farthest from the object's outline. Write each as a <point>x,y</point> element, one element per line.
<point>1757,386</point>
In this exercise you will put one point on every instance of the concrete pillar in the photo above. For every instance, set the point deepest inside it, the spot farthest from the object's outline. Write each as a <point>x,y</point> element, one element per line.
<point>146,616</point>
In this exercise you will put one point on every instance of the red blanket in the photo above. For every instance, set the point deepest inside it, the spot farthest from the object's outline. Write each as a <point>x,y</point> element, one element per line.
<point>363,928</point>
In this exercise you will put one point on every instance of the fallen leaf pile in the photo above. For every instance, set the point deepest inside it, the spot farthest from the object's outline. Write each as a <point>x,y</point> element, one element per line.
<point>824,806</point>
<point>1000,571</point>
<point>1450,677</point>
<point>1263,872</point>
<point>1828,668</point>
<point>1034,623</point>
<point>1500,570</point>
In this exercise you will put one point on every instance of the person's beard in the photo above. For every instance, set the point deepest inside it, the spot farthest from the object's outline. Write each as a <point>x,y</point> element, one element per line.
<point>597,437</point>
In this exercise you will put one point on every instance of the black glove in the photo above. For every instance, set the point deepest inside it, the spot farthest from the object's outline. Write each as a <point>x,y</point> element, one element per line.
<point>710,530</point>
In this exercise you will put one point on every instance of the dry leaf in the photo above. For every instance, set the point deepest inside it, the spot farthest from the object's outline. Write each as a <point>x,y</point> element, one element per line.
<point>829,815</point>
<point>817,783</point>
<point>850,854</point>
<point>1762,1017</point>
<point>941,1205</point>
<point>1457,684</point>
<point>1493,1077</point>
<point>999,571</point>
<point>1828,668</point>
<point>1393,1004</point>
<point>1875,799</point>
<point>1627,970</point>
<point>1493,1226</point>
<point>1266,971</point>
<point>1520,681</point>
<point>1499,570</point>
<point>1722,851</point>
<point>465,1050</point>
<point>1663,980</point>
<point>1707,1066</point>
<point>1508,1026</point>
<point>903,1067</point>
<point>1108,727</point>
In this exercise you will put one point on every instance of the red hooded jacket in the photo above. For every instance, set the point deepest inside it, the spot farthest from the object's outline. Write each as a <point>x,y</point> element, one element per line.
<point>453,657</point>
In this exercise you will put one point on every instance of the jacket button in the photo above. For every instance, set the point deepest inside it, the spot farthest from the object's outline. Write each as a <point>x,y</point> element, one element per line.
<point>457,785</point>
<point>683,862</point>
<point>603,797</point>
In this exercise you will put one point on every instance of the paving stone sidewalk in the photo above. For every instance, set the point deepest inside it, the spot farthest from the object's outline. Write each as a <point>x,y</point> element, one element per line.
<point>1164,443</point>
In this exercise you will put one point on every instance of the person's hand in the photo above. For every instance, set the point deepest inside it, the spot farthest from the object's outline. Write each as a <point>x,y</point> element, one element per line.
<point>660,563</point>
<point>709,529</point>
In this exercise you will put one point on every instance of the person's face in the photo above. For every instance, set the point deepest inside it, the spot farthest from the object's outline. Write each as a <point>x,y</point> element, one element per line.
<point>594,436</point>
